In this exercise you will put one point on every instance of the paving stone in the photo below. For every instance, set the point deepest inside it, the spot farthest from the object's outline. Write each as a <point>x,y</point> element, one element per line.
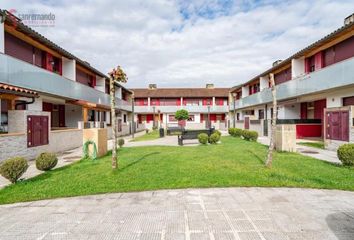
<point>195,214</point>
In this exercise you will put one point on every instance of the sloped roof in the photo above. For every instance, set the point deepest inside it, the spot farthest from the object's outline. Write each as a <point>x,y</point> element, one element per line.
<point>326,39</point>
<point>5,88</point>
<point>180,92</point>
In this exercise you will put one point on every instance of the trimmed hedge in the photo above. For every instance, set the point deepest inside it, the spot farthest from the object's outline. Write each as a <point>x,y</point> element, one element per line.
<point>203,138</point>
<point>46,161</point>
<point>345,154</point>
<point>214,138</point>
<point>13,168</point>
<point>235,132</point>
<point>218,132</point>
<point>121,142</point>
<point>249,135</point>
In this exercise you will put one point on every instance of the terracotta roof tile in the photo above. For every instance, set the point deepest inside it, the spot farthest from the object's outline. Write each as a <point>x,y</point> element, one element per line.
<point>17,90</point>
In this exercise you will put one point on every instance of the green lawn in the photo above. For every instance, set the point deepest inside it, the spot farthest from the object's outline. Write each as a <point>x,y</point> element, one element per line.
<point>319,145</point>
<point>234,162</point>
<point>152,135</point>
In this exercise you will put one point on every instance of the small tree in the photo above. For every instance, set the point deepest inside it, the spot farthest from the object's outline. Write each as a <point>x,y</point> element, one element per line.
<point>116,75</point>
<point>181,115</point>
<point>269,160</point>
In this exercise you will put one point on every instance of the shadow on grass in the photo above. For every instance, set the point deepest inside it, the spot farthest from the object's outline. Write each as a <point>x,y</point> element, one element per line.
<point>137,161</point>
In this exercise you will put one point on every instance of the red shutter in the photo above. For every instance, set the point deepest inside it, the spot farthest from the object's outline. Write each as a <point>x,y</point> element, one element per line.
<point>201,117</point>
<point>319,60</point>
<point>184,102</point>
<point>319,105</point>
<point>60,67</point>
<point>307,65</point>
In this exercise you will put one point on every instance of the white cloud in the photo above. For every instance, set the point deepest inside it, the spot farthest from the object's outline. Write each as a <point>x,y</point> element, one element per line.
<point>221,44</point>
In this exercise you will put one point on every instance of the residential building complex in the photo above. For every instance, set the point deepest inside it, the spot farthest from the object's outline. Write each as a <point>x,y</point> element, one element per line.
<point>206,106</point>
<point>48,95</point>
<point>314,89</point>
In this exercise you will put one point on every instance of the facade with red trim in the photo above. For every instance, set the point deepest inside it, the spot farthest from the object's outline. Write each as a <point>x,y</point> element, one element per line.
<point>315,92</point>
<point>157,106</point>
<point>70,93</point>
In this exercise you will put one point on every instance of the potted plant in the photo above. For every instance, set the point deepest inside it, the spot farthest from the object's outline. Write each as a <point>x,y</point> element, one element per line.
<point>181,116</point>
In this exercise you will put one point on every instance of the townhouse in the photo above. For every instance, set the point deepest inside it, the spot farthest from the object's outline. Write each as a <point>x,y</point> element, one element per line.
<point>47,95</point>
<point>206,106</point>
<point>315,91</point>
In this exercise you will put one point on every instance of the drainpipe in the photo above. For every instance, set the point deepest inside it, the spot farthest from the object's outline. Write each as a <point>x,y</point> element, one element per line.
<point>24,103</point>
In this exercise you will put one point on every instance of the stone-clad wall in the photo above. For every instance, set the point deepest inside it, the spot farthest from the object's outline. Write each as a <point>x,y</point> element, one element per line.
<point>12,145</point>
<point>18,120</point>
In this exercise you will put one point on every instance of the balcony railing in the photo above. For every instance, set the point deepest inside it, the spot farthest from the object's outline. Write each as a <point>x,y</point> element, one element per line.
<point>173,109</point>
<point>335,76</point>
<point>22,74</point>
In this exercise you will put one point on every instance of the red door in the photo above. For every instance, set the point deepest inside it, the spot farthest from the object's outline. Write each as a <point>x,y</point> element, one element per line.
<point>338,125</point>
<point>37,131</point>
<point>247,122</point>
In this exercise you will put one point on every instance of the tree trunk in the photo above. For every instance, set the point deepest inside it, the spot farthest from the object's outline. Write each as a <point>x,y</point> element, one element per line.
<point>274,120</point>
<point>113,123</point>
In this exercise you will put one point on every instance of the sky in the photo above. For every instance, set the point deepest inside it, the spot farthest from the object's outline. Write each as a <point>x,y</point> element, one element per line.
<point>186,43</point>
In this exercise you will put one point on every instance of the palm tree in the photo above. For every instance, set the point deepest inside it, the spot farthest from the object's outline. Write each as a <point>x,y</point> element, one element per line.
<point>116,75</point>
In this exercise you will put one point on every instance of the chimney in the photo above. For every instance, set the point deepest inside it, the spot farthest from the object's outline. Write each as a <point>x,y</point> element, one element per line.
<point>209,86</point>
<point>348,20</point>
<point>152,86</point>
<point>276,62</point>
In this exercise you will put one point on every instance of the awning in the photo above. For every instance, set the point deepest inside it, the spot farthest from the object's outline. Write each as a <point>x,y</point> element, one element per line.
<point>17,91</point>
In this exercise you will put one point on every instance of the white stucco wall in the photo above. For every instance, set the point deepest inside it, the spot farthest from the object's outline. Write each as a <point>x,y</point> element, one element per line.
<point>264,82</point>
<point>69,68</point>
<point>245,91</point>
<point>2,37</point>
<point>297,67</point>
<point>100,84</point>
<point>335,98</point>
<point>36,106</point>
<point>291,111</point>
<point>73,114</point>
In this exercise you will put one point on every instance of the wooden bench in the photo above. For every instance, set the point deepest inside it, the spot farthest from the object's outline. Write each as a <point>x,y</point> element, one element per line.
<point>193,134</point>
<point>174,129</point>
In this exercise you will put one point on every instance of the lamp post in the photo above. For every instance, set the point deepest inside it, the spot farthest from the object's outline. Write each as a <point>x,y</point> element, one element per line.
<point>234,103</point>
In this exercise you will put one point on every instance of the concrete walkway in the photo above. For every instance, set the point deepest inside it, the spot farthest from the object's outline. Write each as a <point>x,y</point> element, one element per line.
<point>190,214</point>
<point>321,154</point>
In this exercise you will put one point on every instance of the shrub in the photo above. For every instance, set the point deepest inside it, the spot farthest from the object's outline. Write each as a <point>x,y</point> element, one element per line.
<point>121,142</point>
<point>231,131</point>
<point>235,132</point>
<point>154,128</point>
<point>46,161</point>
<point>214,138</point>
<point>346,154</point>
<point>238,132</point>
<point>203,138</point>
<point>218,132</point>
<point>13,168</point>
<point>249,135</point>
<point>146,130</point>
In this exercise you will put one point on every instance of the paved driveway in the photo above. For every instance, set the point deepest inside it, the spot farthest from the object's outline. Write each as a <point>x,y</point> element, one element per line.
<point>230,213</point>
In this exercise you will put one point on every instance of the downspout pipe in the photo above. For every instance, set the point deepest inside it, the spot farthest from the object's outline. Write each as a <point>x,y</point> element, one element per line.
<point>25,103</point>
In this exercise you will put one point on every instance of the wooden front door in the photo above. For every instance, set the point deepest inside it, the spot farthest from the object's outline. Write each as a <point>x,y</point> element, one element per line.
<point>37,131</point>
<point>247,122</point>
<point>337,125</point>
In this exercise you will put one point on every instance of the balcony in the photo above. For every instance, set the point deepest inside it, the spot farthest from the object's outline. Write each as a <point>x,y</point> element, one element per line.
<point>19,73</point>
<point>335,76</point>
<point>173,109</point>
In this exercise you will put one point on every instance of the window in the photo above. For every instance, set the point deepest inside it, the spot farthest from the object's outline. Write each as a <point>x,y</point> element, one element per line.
<point>237,116</point>
<point>171,118</point>
<point>192,102</point>
<point>191,118</point>
<point>261,114</point>
<point>124,118</point>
